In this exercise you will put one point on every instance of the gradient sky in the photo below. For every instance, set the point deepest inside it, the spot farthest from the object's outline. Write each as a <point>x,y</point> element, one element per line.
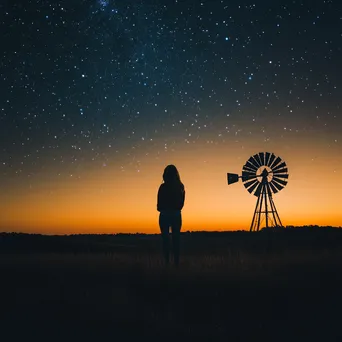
<point>98,96</point>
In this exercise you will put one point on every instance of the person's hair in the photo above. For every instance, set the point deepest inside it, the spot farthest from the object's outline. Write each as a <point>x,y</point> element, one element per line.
<point>171,175</point>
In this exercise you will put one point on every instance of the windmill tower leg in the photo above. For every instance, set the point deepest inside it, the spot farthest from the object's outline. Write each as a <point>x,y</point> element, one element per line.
<point>260,209</point>
<point>277,221</point>
<point>252,228</point>
<point>266,207</point>
<point>255,226</point>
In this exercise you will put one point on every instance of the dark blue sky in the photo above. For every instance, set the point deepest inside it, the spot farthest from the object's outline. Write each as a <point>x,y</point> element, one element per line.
<point>101,80</point>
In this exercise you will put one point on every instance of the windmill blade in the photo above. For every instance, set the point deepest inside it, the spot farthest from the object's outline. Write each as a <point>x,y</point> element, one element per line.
<point>259,189</point>
<point>248,175</point>
<point>280,181</point>
<point>252,188</point>
<point>285,175</point>
<point>257,158</point>
<point>253,162</point>
<point>251,166</point>
<point>252,182</point>
<point>280,166</point>
<point>262,158</point>
<point>275,163</point>
<point>232,178</point>
<point>252,185</point>
<point>280,171</point>
<point>278,186</point>
<point>273,188</point>
<point>271,160</point>
<point>277,177</point>
<point>267,158</point>
<point>248,169</point>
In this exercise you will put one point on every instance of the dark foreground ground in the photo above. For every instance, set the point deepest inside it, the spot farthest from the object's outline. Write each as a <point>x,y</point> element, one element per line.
<point>285,286</point>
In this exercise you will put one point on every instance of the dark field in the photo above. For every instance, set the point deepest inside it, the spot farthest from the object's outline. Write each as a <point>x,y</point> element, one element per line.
<point>238,286</point>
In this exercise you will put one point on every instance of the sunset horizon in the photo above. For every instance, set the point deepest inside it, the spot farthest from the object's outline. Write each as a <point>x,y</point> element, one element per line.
<point>88,123</point>
<point>110,201</point>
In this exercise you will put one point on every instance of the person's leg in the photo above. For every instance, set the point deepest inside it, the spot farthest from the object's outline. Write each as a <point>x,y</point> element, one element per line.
<point>164,229</point>
<point>176,228</point>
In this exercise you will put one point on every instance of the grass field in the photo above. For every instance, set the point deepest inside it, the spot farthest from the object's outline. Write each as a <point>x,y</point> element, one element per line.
<point>217,294</point>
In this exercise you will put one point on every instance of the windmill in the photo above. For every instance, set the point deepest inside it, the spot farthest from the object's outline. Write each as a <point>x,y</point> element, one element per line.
<point>263,175</point>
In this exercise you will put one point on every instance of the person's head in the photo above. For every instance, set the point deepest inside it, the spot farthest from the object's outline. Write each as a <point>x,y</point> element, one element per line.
<point>171,175</point>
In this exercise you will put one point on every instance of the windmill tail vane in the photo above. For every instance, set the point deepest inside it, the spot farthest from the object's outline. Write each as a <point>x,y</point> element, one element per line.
<point>263,175</point>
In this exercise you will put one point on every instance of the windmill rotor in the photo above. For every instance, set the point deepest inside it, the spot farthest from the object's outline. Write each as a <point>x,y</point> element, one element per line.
<point>263,175</point>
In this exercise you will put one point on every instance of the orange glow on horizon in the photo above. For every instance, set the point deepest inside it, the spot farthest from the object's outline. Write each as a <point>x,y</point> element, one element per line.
<point>108,200</point>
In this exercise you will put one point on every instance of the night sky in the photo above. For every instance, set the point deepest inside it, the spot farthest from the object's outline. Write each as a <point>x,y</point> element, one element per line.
<point>98,96</point>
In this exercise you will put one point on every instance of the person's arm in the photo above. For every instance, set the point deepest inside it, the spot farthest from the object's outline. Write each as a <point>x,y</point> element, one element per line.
<point>182,199</point>
<point>159,197</point>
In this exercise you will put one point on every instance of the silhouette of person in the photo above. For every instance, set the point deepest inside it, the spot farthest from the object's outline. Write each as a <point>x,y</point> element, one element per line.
<point>171,196</point>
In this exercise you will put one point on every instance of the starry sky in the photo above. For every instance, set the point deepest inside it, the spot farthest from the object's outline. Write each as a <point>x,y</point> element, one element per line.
<point>98,96</point>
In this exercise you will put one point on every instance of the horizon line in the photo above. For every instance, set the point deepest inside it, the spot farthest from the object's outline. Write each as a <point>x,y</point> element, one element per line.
<point>182,232</point>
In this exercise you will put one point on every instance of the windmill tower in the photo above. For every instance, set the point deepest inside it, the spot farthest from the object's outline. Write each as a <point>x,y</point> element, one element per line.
<point>263,175</point>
